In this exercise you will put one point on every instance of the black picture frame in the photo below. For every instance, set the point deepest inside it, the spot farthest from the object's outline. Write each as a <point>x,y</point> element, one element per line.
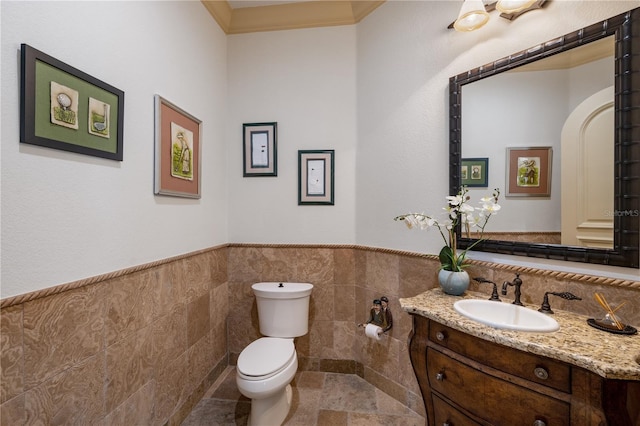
<point>260,149</point>
<point>316,177</point>
<point>64,108</point>
<point>474,172</point>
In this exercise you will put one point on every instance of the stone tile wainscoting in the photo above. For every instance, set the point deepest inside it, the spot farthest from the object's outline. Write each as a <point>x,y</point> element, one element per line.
<point>143,345</point>
<point>139,346</point>
<point>346,280</point>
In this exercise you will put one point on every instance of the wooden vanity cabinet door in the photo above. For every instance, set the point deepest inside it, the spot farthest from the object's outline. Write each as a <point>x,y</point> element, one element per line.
<point>490,398</point>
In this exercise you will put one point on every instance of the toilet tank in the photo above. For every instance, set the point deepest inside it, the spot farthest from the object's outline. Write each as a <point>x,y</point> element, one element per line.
<point>283,308</point>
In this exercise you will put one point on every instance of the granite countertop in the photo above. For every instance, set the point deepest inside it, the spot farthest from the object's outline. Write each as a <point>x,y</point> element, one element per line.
<point>609,355</point>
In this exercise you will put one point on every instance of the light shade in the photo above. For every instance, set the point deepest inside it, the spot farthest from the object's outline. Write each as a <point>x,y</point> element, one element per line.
<point>513,6</point>
<point>472,16</point>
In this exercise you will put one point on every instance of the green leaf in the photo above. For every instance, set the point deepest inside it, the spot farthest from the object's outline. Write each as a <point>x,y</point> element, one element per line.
<point>446,258</point>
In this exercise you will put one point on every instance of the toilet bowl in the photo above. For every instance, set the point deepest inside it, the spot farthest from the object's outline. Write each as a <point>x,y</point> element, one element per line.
<point>266,367</point>
<point>265,370</point>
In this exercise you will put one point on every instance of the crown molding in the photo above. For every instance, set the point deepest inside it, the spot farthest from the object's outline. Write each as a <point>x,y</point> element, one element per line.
<point>319,13</point>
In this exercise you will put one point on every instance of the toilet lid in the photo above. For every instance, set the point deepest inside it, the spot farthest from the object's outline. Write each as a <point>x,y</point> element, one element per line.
<point>265,356</point>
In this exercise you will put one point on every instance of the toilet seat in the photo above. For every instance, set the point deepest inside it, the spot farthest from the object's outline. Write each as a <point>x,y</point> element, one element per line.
<point>265,358</point>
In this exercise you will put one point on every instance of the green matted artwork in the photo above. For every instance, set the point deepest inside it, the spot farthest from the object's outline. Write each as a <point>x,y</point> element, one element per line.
<point>475,172</point>
<point>64,108</point>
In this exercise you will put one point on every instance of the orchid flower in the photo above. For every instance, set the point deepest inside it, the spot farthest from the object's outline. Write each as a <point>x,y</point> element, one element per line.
<point>458,212</point>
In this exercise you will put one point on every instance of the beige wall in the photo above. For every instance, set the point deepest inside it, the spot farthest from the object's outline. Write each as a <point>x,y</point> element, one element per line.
<point>142,346</point>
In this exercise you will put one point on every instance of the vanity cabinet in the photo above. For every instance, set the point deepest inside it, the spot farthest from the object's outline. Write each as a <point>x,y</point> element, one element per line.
<point>466,380</point>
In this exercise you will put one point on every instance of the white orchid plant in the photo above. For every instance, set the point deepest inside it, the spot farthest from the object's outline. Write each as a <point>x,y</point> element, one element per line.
<point>458,211</point>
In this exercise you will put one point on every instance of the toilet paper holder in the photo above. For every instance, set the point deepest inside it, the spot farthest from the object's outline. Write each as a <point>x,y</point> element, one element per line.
<point>379,316</point>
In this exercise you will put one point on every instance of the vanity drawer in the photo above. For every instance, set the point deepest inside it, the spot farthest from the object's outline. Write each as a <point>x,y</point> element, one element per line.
<point>445,414</point>
<point>490,398</point>
<point>535,368</point>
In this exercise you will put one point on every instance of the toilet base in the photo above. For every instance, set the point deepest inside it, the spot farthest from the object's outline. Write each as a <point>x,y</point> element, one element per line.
<point>271,411</point>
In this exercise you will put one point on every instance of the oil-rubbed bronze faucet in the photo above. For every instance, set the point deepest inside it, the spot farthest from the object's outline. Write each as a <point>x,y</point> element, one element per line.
<point>517,282</point>
<point>494,294</point>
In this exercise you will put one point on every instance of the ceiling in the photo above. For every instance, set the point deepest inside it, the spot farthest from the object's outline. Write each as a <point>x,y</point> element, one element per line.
<point>247,16</point>
<point>593,51</point>
<point>237,4</point>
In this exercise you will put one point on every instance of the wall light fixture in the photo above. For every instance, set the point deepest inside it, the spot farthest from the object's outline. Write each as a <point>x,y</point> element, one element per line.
<point>475,13</point>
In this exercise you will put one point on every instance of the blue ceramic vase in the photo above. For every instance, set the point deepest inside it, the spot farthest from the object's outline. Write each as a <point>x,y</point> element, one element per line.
<point>454,283</point>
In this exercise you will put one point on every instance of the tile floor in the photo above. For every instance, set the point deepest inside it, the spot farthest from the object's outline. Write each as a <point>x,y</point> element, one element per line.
<point>322,399</point>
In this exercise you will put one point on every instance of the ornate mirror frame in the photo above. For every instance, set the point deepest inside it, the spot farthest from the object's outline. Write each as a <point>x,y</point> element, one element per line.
<point>626,29</point>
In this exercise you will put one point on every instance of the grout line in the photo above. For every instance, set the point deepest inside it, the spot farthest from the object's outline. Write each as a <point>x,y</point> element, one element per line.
<point>209,393</point>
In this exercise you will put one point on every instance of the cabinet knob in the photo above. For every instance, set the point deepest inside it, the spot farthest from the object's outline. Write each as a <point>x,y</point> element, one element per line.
<point>446,424</point>
<point>543,374</point>
<point>539,423</point>
<point>440,376</point>
<point>440,335</point>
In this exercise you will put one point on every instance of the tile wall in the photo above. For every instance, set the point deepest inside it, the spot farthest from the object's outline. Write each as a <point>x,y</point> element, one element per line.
<point>346,280</point>
<point>536,282</point>
<point>139,348</point>
<point>142,346</point>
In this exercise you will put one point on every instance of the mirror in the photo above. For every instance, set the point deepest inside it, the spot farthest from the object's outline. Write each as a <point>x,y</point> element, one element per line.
<point>560,100</point>
<point>534,225</point>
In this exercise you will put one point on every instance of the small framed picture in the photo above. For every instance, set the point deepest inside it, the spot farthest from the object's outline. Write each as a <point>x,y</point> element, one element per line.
<point>529,172</point>
<point>64,108</point>
<point>178,147</point>
<point>259,149</point>
<point>475,172</point>
<point>315,177</point>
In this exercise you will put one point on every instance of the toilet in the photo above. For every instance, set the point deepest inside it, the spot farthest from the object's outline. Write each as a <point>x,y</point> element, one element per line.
<point>267,366</point>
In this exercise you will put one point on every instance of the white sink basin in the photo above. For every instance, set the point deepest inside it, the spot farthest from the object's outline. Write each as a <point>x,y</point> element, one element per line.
<point>505,315</point>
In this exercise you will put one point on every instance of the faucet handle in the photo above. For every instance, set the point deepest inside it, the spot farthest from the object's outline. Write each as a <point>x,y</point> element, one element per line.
<point>566,295</point>
<point>546,308</point>
<point>494,294</point>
